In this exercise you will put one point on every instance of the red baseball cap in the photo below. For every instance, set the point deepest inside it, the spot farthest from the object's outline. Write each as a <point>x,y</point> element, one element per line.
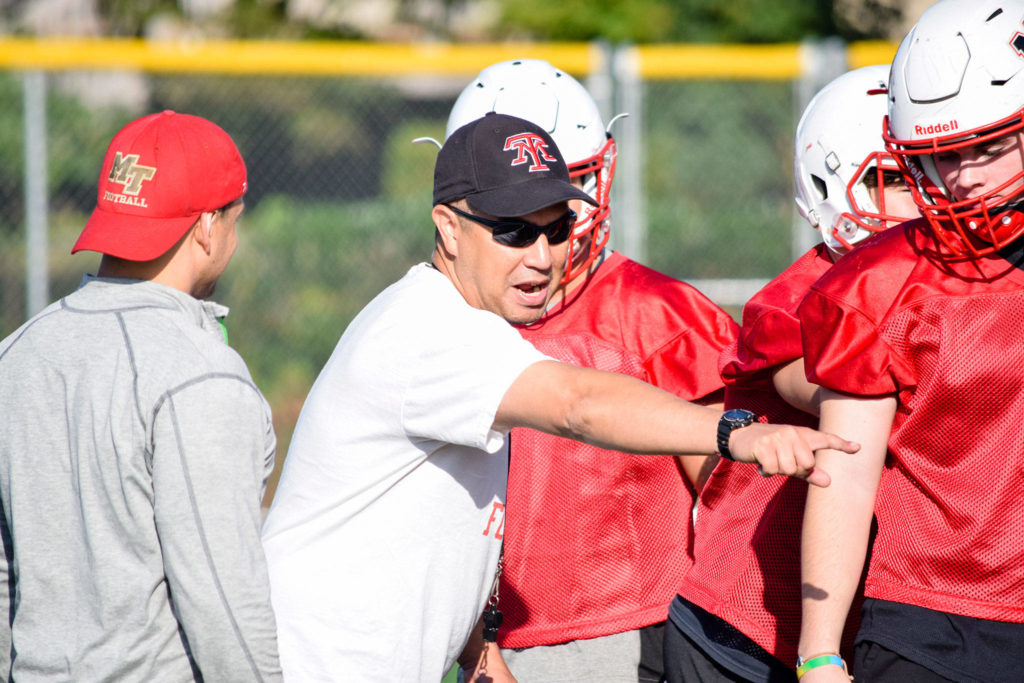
<point>160,172</point>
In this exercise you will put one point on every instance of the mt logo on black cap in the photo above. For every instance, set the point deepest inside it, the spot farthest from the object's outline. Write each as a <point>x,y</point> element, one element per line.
<point>532,145</point>
<point>504,166</point>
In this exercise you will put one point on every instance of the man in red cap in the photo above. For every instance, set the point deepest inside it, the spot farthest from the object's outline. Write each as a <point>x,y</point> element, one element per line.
<point>136,446</point>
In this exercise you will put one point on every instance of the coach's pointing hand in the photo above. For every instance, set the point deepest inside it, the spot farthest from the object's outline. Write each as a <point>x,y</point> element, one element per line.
<point>786,449</point>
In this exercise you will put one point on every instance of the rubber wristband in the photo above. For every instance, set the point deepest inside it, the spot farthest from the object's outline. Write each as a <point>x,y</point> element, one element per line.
<point>825,659</point>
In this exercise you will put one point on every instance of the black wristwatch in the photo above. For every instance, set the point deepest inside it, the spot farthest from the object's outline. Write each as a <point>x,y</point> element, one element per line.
<point>731,419</point>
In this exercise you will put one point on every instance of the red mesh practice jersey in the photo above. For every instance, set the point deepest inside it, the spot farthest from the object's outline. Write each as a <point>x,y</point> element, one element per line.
<point>597,542</point>
<point>747,549</point>
<point>947,339</point>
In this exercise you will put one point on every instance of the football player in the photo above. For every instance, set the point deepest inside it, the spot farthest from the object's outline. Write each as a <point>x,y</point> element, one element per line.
<point>597,542</point>
<point>926,363</point>
<point>738,613</point>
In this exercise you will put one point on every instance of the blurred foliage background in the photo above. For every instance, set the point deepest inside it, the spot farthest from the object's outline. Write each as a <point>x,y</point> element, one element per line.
<point>338,206</point>
<point>339,199</point>
<point>634,21</point>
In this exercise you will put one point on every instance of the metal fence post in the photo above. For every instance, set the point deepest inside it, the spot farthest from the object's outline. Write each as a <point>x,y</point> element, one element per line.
<point>820,62</point>
<point>37,275</point>
<point>629,234</point>
<point>600,82</point>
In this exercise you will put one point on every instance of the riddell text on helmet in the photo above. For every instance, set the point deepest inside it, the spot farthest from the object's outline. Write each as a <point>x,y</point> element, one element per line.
<point>937,128</point>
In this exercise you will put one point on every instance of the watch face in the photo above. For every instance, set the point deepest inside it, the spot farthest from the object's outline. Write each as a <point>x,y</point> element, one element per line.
<point>738,415</point>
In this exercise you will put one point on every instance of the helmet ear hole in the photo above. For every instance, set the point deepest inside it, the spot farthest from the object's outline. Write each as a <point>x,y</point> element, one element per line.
<point>838,143</point>
<point>820,187</point>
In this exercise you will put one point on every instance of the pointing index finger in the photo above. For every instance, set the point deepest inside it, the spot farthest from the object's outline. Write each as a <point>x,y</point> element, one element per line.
<point>838,443</point>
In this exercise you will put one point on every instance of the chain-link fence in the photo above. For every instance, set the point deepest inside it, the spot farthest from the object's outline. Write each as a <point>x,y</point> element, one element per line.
<point>339,197</point>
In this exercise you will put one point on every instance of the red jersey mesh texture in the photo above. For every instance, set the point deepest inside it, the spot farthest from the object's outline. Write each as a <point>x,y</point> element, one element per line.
<point>945,337</point>
<point>747,547</point>
<point>950,509</point>
<point>606,534</point>
<point>597,542</point>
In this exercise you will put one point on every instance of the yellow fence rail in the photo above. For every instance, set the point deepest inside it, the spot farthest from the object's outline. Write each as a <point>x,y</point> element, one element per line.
<point>318,58</point>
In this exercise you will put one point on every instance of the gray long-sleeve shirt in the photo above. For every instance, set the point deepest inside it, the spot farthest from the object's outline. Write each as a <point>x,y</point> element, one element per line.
<point>134,451</point>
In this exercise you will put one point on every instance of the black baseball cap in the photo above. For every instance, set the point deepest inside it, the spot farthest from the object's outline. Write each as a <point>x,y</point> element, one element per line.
<point>504,166</point>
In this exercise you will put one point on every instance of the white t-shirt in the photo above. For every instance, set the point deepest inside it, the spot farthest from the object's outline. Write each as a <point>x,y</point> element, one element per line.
<point>386,527</point>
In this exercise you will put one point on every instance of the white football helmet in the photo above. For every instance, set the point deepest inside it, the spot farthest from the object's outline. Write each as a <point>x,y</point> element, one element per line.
<point>534,90</point>
<point>838,144</point>
<point>957,81</point>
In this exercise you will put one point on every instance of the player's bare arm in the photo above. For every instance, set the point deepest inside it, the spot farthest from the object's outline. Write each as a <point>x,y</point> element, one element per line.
<point>791,383</point>
<point>697,466</point>
<point>837,522</point>
<point>625,414</point>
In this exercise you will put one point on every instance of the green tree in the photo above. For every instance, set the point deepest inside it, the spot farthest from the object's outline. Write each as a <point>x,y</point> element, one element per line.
<point>721,21</point>
<point>752,21</point>
<point>638,21</point>
<point>129,17</point>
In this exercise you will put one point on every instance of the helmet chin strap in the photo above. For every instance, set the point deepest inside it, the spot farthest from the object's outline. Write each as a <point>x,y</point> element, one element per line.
<point>992,212</point>
<point>1011,206</point>
<point>984,227</point>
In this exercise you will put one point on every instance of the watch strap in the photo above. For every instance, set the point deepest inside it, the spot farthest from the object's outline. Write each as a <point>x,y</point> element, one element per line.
<point>726,424</point>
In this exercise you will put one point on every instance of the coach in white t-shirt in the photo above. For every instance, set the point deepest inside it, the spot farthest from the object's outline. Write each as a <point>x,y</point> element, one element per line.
<point>385,531</point>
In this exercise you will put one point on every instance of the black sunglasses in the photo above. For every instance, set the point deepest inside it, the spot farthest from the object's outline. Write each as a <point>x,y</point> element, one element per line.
<point>515,232</point>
